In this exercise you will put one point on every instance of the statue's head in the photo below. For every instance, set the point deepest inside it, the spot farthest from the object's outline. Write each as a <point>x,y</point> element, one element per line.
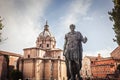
<point>72,27</point>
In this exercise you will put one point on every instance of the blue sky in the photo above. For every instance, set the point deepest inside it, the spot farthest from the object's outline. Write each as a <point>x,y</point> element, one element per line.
<point>24,20</point>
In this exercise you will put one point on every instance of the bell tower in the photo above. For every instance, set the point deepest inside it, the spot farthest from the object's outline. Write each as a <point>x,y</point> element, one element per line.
<point>46,40</point>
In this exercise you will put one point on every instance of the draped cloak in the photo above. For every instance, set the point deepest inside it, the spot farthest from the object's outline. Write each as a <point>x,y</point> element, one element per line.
<point>73,46</point>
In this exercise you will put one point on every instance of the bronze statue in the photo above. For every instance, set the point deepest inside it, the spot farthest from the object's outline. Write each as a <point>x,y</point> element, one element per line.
<point>73,53</point>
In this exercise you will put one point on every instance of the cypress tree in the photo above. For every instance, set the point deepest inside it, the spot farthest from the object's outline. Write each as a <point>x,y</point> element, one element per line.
<point>115,18</point>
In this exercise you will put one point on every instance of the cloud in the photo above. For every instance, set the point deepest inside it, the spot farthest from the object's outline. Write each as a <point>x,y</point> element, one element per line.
<point>88,18</point>
<point>104,52</point>
<point>21,20</point>
<point>74,12</point>
<point>77,9</point>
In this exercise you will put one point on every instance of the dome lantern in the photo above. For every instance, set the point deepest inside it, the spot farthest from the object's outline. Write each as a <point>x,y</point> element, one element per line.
<point>46,27</point>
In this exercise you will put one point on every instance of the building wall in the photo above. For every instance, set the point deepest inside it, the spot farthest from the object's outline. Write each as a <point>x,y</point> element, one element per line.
<point>33,52</point>
<point>98,66</point>
<point>3,68</point>
<point>39,69</point>
<point>28,69</point>
<point>4,64</point>
<point>54,54</point>
<point>13,61</point>
<point>44,69</point>
<point>47,70</point>
<point>103,67</point>
<point>1,63</point>
<point>41,53</point>
<point>62,70</point>
<point>86,67</point>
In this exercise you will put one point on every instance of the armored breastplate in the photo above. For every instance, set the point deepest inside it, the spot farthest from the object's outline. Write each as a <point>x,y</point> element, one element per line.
<point>73,40</point>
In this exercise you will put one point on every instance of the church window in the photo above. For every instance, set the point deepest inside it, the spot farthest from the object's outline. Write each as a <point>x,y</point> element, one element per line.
<point>47,45</point>
<point>40,45</point>
<point>58,56</point>
<point>28,56</point>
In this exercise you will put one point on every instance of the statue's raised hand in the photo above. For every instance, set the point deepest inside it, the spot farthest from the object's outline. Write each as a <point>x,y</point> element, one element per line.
<point>85,39</point>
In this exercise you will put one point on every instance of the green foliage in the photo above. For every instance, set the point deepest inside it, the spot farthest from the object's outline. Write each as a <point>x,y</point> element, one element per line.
<point>115,17</point>
<point>16,75</point>
<point>1,25</point>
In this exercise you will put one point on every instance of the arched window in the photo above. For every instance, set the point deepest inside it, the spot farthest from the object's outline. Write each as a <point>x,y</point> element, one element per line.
<point>47,45</point>
<point>28,56</point>
<point>40,45</point>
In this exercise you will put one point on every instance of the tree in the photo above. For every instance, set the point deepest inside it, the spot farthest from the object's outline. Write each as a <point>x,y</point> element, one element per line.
<point>1,27</point>
<point>16,75</point>
<point>118,67</point>
<point>115,17</point>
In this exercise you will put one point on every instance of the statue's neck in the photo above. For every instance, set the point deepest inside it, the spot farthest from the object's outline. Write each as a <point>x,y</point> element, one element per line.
<point>72,32</point>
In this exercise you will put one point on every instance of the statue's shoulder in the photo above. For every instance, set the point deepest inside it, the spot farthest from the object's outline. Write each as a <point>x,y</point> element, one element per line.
<point>78,32</point>
<point>67,34</point>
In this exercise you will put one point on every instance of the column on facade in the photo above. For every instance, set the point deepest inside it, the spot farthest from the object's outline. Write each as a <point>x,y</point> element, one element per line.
<point>51,69</point>
<point>43,77</point>
<point>59,63</point>
<point>33,69</point>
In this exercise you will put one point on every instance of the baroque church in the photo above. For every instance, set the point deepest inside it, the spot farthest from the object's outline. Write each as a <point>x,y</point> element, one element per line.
<point>45,61</point>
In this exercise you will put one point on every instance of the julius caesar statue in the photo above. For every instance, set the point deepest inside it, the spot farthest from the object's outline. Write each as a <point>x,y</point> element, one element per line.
<point>73,53</point>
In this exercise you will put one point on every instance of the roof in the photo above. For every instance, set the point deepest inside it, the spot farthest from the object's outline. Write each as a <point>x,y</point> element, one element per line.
<point>55,49</point>
<point>91,57</point>
<point>10,54</point>
<point>33,48</point>
<point>116,53</point>
<point>104,59</point>
<point>45,34</point>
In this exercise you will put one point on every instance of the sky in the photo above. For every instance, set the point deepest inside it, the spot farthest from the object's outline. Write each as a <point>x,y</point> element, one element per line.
<point>25,19</point>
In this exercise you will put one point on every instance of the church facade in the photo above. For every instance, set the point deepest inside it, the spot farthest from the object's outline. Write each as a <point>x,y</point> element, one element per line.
<point>45,61</point>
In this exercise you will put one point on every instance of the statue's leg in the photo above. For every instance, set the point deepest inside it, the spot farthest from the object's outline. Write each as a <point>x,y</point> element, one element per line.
<point>68,72</point>
<point>78,67</point>
<point>71,70</point>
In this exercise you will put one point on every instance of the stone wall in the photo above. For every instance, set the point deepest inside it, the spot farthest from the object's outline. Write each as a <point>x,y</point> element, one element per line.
<point>3,68</point>
<point>43,69</point>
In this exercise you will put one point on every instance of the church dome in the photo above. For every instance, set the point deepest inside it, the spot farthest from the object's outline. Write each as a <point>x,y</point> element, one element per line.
<point>46,32</point>
<point>46,40</point>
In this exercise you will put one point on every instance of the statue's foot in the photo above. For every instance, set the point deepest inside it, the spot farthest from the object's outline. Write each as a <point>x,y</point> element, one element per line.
<point>68,78</point>
<point>72,78</point>
<point>80,78</point>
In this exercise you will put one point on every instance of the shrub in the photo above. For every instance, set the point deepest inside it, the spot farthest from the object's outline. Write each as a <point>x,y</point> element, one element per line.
<point>16,75</point>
